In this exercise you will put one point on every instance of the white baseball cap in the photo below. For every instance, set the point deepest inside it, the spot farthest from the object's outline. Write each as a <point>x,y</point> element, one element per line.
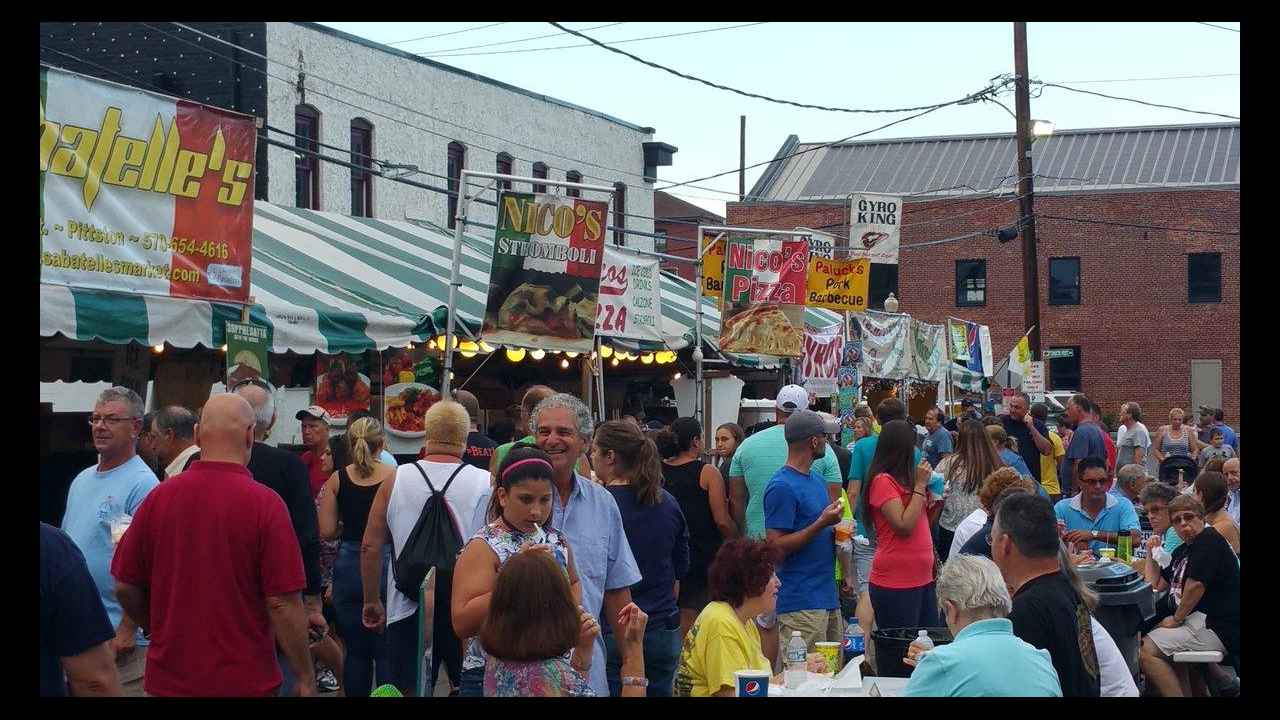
<point>316,412</point>
<point>792,398</point>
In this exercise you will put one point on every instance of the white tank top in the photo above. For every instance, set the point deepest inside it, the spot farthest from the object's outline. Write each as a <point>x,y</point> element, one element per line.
<point>408,497</point>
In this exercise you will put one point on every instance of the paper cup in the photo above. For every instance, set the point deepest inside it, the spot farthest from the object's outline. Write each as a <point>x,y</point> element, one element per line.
<point>831,652</point>
<point>752,683</point>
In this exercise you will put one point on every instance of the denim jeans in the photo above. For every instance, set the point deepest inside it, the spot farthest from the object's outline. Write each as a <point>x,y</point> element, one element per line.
<point>910,608</point>
<point>661,658</point>
<point>472,683</point>
<point>365,649</point>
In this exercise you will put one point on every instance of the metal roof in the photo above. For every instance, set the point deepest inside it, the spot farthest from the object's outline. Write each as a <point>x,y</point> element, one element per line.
<point>1164,156</point>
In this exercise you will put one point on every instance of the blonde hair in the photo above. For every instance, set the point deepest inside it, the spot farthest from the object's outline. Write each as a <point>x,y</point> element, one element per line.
<point>447,424</point>
<point>1178,411</point>
<point>367,439</point>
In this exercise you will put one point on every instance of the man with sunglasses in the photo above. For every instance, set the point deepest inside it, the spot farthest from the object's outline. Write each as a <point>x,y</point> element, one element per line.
<point>105,496</point>
<point>1096,516</point>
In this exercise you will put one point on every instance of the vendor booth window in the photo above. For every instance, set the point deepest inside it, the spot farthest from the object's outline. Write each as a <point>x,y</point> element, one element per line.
<point>306,126</point>
<point>576,177</point>
<point>1064,368</point>
<point>1064,281</point>
<point>540,171</point>
<point>1204,278</point>
<point>361,179</point>
<point>503,167</point>
<point>971,283</point>
<point>457,160</point>
<point>619,213</point>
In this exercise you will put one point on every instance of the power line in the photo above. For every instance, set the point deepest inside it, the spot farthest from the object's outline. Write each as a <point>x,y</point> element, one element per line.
<point>1140,102</point>
<point>455,32</point>
<point>582,45</point>
<point>1220,27</point>
<point>1147,79</point>
<point>1135,225</point>
<point>512,42</point>
<point>744,93</point>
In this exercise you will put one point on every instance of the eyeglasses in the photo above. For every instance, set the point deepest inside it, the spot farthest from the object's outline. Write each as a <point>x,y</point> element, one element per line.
<point>1098,481</point>
<point>108,419</point>
<point>252,380</point>
<point>1181,518</point>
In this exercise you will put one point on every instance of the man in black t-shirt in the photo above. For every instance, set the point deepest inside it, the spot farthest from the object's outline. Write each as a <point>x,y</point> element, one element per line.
<point>75,634</point>
<point>1047,612</point>
<point>1031,434</point>
<point>480,447</point>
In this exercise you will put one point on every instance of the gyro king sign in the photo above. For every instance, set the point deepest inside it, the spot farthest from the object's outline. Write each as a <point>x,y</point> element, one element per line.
<point>143,193</point>
<point>875,227</point>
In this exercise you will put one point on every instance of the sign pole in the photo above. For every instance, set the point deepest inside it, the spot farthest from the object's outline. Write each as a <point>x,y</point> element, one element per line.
<point>697,332</point>
<point>455,282</point>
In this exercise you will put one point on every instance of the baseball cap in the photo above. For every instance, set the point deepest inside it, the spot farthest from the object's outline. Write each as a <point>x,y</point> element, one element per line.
<point>830,423</point>
<point>802,425</point>
<point>315,411</point>
<point>792,398</point>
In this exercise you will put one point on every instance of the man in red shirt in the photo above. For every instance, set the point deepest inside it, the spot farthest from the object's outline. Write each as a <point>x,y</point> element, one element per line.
<point>1095,415</point>
<point>315,437</point>
<point>212,567</point>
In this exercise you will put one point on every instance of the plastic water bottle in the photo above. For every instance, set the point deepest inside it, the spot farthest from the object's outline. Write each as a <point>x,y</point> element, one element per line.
<point>923,641</point>
<point>796,670</point>
<point>853,644</point>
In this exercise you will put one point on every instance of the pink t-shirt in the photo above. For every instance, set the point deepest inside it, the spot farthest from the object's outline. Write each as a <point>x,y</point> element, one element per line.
<point>900,563</point>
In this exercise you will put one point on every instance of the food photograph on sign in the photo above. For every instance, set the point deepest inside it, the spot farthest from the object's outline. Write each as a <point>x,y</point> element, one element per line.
<point>545,277</point>
<point>342,386</point>
<point>762,308</point>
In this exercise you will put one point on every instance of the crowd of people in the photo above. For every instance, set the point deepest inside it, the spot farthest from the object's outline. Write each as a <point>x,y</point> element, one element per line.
<point>629,559</point>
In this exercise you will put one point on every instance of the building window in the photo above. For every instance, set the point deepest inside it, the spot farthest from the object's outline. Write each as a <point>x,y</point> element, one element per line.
<point>503,167</point>
<point>306,126</point>
<point>882,281</point>
<point>660,242</point>
<point>575,177</point>
<point>1064,368</point>
<point>361,180</point>
<point>1204,277</point>
<point>457,160</point>
<point>971,283</point>
<point>540,171</point>
<point>1064,281</point>
<point>619,213</point>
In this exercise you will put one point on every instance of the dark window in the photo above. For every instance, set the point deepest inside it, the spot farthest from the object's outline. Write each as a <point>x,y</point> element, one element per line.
<point>1204,277</point>
<point>361,180</point>
<point>1064,281</point>
<point>882,281</point>
<point>504,168</point>
<point>306,126</point>
<point>540,171</point>
<point>573,176</point>
<point>660,242</point>
<point>619,213</point>
<point>457,158</point>
<point>1064,368</point>
<point>971,283</point>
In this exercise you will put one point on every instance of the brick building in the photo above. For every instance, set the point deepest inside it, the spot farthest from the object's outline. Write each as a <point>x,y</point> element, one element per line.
<point>1138,245</point>
<point>678,221</point>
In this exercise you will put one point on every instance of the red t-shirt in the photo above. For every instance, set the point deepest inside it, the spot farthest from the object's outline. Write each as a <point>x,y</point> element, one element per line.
<point>315,468</point>
<point>211,545</point>
<point>1111,450</point>
<point>900,563</point>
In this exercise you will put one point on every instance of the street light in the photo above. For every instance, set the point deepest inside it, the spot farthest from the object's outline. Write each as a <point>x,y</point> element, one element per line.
<point>1041,128</point>
<point>891,304</point>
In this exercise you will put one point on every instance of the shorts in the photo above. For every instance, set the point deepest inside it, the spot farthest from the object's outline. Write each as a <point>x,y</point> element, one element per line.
<point>862,557</point>
<point>814,626</point>
<point>1190,636</point>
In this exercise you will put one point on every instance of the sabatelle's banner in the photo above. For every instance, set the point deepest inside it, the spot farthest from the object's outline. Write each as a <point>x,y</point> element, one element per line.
<point>545,277</point>
<point>142,193</point>
<point>762,309</point>
<point>875,227</point>
<point>629,305</point>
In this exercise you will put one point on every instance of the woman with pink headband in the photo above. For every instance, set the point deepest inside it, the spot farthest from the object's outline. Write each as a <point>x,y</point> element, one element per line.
<point>519,520</point>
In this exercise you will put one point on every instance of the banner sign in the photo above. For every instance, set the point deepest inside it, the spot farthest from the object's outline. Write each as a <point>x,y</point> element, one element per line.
<point>886,350</point>
<point>713,266</point>
<point>838,284</point>
<point>875,227</point>
<point>762,308</point>
<point>629,305</point>
<point>143,194</point>
<point>545,277</point>
<point>1033,383</point>
<point>970,346</point>
<point>848,380</point>
<point>822,353</point>
<point>246,352</point>
<point>929,351</point>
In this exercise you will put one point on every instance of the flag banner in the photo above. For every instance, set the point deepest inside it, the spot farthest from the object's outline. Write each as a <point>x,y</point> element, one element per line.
<point>886,347</point>
<point>875,227</point>
<point>929,351</point>
<point>545,278</point>
<point>629,305</point>
<point>762,308</point>
<point>965,380</point>
<point>970,346</point>
<point>142,193</point>
<point>822,354</point>
<point>713,266</point>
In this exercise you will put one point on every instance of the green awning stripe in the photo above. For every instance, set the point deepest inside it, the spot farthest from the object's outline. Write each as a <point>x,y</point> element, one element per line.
<point>345,332</point>
<point>311,293</point>
<point>113,317</point>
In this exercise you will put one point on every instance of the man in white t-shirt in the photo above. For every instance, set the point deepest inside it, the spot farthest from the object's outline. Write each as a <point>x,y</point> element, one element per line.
<point>1133,441</point>
<point>396,509</point>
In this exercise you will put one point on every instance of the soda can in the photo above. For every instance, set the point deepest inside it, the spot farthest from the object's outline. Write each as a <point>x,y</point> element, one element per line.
<point>752,683</point>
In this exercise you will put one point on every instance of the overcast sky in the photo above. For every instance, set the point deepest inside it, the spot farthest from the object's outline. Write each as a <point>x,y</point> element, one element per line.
<point>853,65</point>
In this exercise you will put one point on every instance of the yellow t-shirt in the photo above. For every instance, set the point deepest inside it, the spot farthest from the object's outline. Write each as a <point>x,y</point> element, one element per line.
<point>1049,465</point>
<point>717,646</point>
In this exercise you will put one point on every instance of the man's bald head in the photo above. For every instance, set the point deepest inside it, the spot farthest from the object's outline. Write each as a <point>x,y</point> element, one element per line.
<point>264,407</point>
<point>225,432</point>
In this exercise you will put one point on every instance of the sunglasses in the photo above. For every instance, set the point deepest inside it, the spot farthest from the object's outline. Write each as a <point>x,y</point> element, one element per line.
<point>253,380</point>
<point>1099,481</point>
<point>1181,518</point>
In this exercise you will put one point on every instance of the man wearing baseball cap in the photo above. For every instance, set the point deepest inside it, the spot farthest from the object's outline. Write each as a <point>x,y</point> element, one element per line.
<point>762,455</point>
<point>315,438</point>
<point>799,517</point>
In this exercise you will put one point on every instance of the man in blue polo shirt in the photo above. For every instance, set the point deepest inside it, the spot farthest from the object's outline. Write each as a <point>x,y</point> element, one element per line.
<point>1094,515</point>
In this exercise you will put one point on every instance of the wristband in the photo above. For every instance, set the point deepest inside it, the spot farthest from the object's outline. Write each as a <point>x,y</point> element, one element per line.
<point>640,682</point>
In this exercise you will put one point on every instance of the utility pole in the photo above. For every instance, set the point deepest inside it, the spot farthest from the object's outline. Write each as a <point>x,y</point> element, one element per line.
<point>1026,185</point>
<point>742,158</point>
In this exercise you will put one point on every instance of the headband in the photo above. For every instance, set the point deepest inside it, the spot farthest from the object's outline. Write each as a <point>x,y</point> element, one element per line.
<point>526,461</point>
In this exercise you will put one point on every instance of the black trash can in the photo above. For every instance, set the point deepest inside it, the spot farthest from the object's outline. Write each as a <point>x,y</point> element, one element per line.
<point>892,644</point>
<point>1125,600</point>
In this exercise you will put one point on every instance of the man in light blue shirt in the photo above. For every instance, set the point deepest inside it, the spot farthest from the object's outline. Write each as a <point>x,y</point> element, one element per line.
<point>1095,515</point>
<point>587,515</point>
<point>1231,469</point>
<point>978,663</point>
<point>105,494</point>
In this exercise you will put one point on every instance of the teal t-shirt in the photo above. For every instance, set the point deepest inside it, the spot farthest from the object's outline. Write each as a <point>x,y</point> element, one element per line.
<point>756,461</point>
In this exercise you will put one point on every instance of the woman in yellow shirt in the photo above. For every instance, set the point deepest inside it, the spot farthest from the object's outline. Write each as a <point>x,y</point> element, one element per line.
<point>1049,463</point>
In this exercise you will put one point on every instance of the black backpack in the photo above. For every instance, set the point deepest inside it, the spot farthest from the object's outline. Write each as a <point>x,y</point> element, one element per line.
<point>435,541</point>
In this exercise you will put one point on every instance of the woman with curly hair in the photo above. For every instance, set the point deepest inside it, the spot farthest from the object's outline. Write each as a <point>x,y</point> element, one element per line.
<point>980,519</point>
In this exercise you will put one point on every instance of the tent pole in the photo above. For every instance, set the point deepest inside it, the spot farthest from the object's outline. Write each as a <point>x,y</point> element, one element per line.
<point>460,220</point>
<point>697,334</point>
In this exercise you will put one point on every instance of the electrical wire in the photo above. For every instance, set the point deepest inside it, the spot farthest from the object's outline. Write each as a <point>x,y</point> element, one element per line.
<point>582,45</point>
<point>1140,226</point>
<point>440,35</point>
<point>512,42</point>
<point>1146,79</point>
<point>1135,100</point>
<point>1220,27</point>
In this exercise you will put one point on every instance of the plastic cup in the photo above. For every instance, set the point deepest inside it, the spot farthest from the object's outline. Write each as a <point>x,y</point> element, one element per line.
<point>831,652</point>
<point>844,531</point>
<point>752,683</point>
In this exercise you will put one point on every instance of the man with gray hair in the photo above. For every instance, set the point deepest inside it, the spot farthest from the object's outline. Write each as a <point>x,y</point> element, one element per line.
<point>100,505</point>
<point>1133,440</point>
<point>1130,480</point>
<point>976,605</point>
<point>173,436</point>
